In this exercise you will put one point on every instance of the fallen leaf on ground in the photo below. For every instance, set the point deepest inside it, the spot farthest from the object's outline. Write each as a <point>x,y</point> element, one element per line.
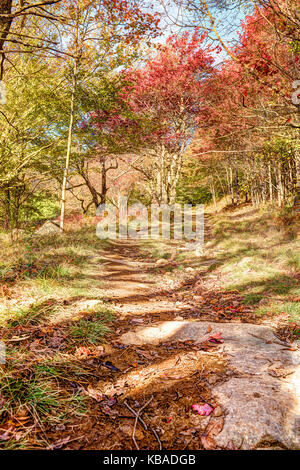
<point>137,320</point>
<point>108,411</point>
<point>170,377</point>
<point>218,411</point>
<point>144,354</point>
<point>6,435</point>
<point>109,401</point>
<point>203,410</point>
<point>216,338</point>
<point>208,443</point>
<point>82,352</point>
<point>214,426</point>
<point>188,432</point>
<point>56,342</point>
<point>58,444</point>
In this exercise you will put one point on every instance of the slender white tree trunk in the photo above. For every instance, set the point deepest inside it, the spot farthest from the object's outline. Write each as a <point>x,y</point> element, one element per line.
<point>270,183</point>
<point>69,145</point>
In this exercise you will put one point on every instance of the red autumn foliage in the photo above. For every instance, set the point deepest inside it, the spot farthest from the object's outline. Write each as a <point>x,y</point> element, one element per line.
<point>161,101</point>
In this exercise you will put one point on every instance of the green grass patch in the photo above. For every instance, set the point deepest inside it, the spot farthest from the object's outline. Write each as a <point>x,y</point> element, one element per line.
<point>32,315</point>
<point>89,331</point>
<point>62,368</point>
<point>257,257</point>
<point>35,388</point>
<point>38,393</point>
<point>94,328</point>
<point>292,309</point>
<point>252,299</point>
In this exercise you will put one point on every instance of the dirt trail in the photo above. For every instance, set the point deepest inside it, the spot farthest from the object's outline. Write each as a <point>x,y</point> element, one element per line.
<point>122,273</point>
<point>164,357</point>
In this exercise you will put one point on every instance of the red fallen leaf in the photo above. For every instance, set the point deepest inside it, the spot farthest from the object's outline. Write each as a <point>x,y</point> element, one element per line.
<point>216,338</point>
<point>169,419</point>
<point>203,410</point>
<point>216,335</point>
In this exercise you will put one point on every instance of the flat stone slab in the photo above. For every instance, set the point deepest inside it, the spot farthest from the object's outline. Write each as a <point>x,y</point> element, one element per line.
<point>48,227</point>
<point>259,411</point>
<point>261,397</point>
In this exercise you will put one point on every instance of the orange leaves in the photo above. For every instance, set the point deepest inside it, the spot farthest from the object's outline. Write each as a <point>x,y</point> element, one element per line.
<point>82,352</point>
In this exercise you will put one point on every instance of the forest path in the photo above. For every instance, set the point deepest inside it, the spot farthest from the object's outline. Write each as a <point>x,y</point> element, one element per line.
<point>166,356</point>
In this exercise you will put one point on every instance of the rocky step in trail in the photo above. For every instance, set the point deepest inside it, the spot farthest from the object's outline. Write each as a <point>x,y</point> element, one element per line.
<point>173,381</point>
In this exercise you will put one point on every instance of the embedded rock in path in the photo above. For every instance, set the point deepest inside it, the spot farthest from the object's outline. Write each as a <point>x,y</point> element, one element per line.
<point>261,397</point>
<point>259,410</point>
<point>48,227</point>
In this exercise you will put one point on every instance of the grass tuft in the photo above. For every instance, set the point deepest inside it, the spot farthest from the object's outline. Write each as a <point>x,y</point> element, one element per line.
<point>90,331</point>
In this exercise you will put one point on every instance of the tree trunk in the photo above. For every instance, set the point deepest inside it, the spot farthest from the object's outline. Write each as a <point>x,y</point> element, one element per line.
<point>252,195</point>
<point>103,180</point>
<point>279,186</point>
<point>175,172</point>
<point>237,187</point>
<point>164,176</point>
<point>231,185</point>
<point>270,183</point>
<point>213,193</point>
<point>69,144</point>
<point>7,209</point>
<point>264,183</point>
<point>5,24</point>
